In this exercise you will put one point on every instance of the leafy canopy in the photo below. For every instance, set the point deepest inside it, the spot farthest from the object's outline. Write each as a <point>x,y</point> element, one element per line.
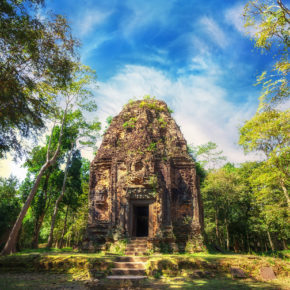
<point>34,50</point>
<point>270,21</point>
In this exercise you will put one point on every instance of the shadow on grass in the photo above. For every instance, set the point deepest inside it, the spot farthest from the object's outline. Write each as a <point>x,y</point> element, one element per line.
<point>38,281</point>
<point>65,281</point>
<point>215,283</point>
<point>47,250</point>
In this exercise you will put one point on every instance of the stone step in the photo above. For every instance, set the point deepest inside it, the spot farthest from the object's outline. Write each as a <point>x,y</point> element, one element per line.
<point>131,259</point>
<point>137,244</point>
<point>133,253</point>
<point>124,282</point>
<point>126,277</point>
<point>128,271</point>
<point>131,265</point>
<point>141,251</point>
<point>136,249</point>
<point>139,239</point>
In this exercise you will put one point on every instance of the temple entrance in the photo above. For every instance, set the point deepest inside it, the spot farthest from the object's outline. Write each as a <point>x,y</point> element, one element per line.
<point>140,220</point>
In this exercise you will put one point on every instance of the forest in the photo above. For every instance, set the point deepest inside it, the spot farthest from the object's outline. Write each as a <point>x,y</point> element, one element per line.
<point>46,97</point>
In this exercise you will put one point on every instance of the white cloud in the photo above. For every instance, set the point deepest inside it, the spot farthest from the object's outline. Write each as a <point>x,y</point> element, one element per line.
<point>201,107</point>
<point>88,19</point>
<point>144,13</point>
<point>214,31</point>
<point>234,16</point>
<point>203,65</point>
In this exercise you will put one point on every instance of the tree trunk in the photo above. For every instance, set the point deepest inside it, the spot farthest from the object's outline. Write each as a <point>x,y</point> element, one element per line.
<point>284,244</point>
<point>285,191</point>
<point>228,235</point>
<point>217,226</point>
<point>10,246</point>
<point>256,245</point>
<point>248,243</point>
<point>270,241</point>
<point>55,211</point>
<point>40,219</point>
<point>64,229</point>
<point>262,246</point>
<point>37,231</point>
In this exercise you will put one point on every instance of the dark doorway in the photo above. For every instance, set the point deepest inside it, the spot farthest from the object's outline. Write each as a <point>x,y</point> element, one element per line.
<point>141,214</point>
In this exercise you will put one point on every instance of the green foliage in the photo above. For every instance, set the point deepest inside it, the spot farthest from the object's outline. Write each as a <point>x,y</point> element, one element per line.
<point>149,98</point>
<point>152,147</point>
<point>74,183</point>
<point>9,204</point>
<point>130,123</point>
<point>27,231</point>
<point>109,120</point>
<point>45,45</point>
<point>118,247</point>
<point>270,22</point>
<point>268,132</point>
<point>131,101</point>
<point>245,204</point>
<point>153,183</point>
<point>207,155</point>
<point>200,171</point>
<point>162,122</point>
<point>151,103</point>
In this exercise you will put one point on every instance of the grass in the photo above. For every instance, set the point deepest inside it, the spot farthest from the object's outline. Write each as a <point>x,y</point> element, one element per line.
<point>70,269</point>
<point>215,283</point>
<point>38,281</point>
<point>66,281</point>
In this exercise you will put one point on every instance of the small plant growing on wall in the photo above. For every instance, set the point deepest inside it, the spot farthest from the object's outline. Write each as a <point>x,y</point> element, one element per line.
<point>170,110</point>
<point>151,103</point>
<point>130,123</point>
<point>162,122</point>
<point>153,183</point>
<point>152,147</point>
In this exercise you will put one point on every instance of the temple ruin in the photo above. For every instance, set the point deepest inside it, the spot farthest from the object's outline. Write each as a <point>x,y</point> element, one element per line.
<point>143,182</point>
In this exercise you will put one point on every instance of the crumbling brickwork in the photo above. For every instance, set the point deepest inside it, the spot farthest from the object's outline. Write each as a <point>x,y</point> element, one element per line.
<point>142,176</point>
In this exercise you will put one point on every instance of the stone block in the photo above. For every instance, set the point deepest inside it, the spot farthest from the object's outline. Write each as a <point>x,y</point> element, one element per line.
<point>267,273</point>
<point>238,273</point>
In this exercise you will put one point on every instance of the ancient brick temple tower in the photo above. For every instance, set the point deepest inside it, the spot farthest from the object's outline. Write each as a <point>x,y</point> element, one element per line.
<point>143,182</point>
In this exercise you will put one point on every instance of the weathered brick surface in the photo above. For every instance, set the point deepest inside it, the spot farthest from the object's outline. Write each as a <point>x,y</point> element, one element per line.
<point>143,159</point>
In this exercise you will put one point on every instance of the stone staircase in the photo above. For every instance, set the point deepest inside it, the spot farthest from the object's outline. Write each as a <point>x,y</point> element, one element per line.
<point>130,270</point>
<point>137,247</point>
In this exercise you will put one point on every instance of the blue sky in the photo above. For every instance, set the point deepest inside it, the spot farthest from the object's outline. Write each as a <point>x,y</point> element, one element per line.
<point>195,55</point>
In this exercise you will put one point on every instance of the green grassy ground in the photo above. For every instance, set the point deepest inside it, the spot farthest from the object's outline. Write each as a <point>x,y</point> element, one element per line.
<point>66,269</point>
<point>65,281</point>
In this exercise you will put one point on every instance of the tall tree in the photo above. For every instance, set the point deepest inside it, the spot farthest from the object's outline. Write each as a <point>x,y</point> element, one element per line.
<point>9,206</point>
<point>75,96</point>
<point>268,132</point>
<point>49,184</point>
<point>71,223</point>
<point>207,155</point>
<point>79,129</point>
<point>220,193</point>
<point>34,49</point>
